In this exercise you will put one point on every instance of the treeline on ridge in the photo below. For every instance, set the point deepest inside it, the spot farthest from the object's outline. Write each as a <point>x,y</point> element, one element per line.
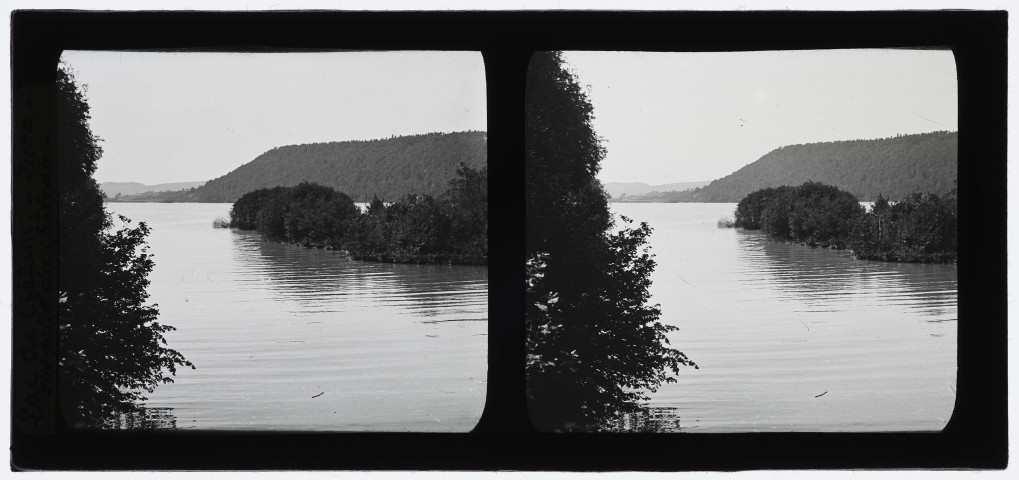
<point>893,167</point>
<point>388,168</point>
<point>450,228</point>
<point>921,227</point>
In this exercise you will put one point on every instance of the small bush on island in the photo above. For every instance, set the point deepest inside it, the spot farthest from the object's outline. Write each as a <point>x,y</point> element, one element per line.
<point>450,229</point>
<point>725,223</point>
<point>220,223</point>
<point>919,228</point>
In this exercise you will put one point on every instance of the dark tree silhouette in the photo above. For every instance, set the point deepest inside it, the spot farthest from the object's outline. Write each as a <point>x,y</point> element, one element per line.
<point>594,346</point>
<point>467,204</point>
<point>111,346</point>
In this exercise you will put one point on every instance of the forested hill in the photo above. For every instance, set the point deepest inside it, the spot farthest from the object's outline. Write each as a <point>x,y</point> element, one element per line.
<point>389,168</point>
<point>893,167</point>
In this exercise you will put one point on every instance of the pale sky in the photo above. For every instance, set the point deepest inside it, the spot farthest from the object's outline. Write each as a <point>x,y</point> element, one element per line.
<point>681,117</point>
<point>176,117</point>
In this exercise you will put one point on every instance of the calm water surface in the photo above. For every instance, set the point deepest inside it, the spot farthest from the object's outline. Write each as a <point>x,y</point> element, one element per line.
<point>289,338</point>
<point>792,338</point>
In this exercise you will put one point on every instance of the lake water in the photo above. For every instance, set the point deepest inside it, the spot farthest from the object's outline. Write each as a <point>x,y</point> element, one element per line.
<point>290,338</point>
<point>788,338</point>
<point>792,338</point>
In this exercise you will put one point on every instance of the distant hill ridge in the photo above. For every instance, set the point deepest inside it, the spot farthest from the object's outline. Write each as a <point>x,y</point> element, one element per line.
<point>112,189</point>
<point>893,167</point>
<point>618,189</point>
<point>389,168</point>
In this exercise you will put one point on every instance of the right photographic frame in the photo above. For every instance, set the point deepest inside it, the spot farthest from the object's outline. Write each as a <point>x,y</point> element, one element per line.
<point>742,241</point>
<point>831,297</point>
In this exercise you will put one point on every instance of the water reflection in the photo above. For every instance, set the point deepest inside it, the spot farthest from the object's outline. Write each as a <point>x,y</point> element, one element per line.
<point>293,339</point>
<point>648,420</point>
<point>322,281</point>
<point>145,418</point>
<point>792,338</point>
<point>818,277</point>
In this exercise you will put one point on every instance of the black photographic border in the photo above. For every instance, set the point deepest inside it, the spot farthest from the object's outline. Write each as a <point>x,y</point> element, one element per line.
<point>976,436</point>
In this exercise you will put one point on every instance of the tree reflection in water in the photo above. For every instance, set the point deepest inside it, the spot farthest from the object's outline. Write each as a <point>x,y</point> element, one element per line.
<point>821,277</point>
<point>648,420</point>
<point>273,326</point>
<point>319,278</point>
<point>146,419</point>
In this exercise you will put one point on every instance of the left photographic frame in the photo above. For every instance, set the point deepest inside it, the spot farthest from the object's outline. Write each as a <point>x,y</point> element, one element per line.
<point>347,286</point>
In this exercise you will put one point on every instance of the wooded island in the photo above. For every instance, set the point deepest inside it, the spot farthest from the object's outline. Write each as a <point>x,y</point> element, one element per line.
<point>921,227</point>
<point>451,228</point>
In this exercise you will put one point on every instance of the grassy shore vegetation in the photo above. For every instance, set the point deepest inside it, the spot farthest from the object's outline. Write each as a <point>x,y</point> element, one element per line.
<point>449,229</point>
<point>918,228</point>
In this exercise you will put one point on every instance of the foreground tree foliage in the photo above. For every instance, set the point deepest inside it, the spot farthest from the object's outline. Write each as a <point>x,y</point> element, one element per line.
<point>111,346</point>
<point>918,228</point>
<point>452,228</point>
<point>594,346</point>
